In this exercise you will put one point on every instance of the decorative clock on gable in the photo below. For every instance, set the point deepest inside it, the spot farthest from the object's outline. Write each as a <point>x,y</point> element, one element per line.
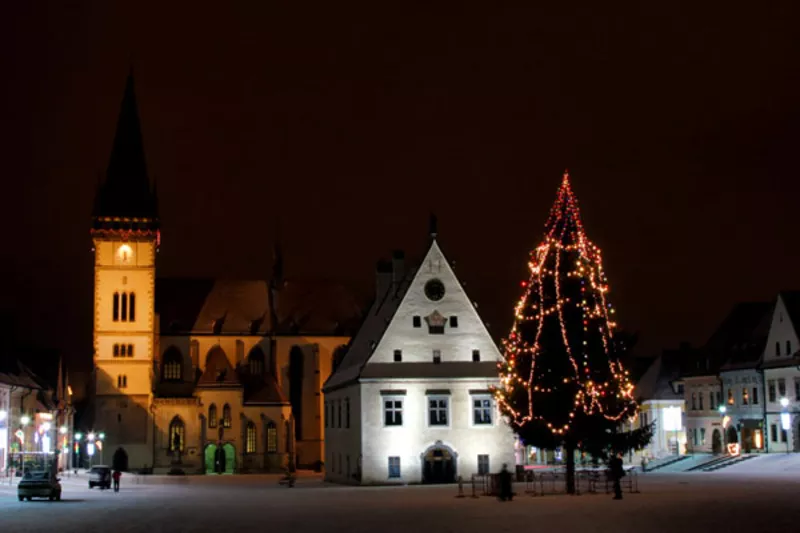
<point>434,290</point>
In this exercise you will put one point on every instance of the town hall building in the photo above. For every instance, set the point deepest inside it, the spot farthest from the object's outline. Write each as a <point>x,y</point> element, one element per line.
<point>199,375</point>
<point>412,400</point>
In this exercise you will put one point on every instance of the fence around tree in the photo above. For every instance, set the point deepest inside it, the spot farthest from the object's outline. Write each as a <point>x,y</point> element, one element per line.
<point>551,481</point>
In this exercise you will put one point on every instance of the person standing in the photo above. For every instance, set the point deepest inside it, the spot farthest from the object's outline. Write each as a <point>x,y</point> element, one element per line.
<point>116,476</point>
<point>617,473</point>
<point>505,485</point>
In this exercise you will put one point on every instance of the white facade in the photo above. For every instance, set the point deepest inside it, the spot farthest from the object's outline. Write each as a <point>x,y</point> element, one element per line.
<point>417,381</point>
<point>703,419</point>
<point>669,435</point>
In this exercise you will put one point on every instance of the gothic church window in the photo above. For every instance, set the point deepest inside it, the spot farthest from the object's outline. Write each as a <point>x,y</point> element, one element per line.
<point>115,310</point>
<point>212,415</point>
<point>250,438</point>
<point>177,435</point>
<point>173,365</point>
<point>272,438</point>
<point>256,361</point>
<point>226,416</point>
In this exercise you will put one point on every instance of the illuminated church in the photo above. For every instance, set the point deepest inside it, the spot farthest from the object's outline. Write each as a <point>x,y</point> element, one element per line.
<point>198,375</point>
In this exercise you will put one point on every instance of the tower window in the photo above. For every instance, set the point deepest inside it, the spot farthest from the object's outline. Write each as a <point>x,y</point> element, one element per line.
<point>124,307</point>
<point>130,350</point>
<point>115,311</point>
<point>116,350</point>
<point>132,310</point>
<point>122,381</point>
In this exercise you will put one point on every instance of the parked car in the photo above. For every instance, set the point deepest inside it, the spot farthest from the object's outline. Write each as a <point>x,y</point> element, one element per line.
<point>39,484</point>
<point>100,476</point>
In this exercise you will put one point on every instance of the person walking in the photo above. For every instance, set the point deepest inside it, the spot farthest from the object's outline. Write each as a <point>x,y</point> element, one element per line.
<point>617,473</point>
<point>116,476</point>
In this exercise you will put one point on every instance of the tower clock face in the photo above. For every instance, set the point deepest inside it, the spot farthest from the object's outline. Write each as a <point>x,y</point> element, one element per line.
<point>434,290</point>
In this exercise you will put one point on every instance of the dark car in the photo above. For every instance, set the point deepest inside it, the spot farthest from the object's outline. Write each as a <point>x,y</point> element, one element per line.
<point>100,476</point>
<point>39,484</point>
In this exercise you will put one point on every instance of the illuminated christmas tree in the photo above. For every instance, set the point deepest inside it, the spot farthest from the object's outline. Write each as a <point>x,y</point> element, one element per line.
<point>562,384</point>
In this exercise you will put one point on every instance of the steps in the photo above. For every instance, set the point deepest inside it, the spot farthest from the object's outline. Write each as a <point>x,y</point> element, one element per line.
<point>666,462</point>
<point>730,462</point>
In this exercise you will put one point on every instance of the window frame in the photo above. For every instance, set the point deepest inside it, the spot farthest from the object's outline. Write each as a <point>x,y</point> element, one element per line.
<point>272,437</point>
<point>212,420</point>
<point>393,409</point>
<point>395,471</point>
<point>227,416</point>
<point>476,356</point>
<point>398,356</point>
<point>484,465</point>
<point>177,423</point>
<point>430,410</point>
<point>250,438</point>
<point>475,408</point>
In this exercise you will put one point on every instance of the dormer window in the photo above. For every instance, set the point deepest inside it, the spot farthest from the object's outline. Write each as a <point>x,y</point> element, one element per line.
<point>417,321</point>
<point>437,356</point>
<point>453,321</point>
<point>436,323</point>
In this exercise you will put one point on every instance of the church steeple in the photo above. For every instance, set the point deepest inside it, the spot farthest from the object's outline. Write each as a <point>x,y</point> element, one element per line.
<point>126,195</point>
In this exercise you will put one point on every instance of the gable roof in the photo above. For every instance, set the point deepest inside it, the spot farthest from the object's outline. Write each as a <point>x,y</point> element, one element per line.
<point>791,300</point>
<point>656,382</point>
<point>746,347</point>
<point>380,318</point>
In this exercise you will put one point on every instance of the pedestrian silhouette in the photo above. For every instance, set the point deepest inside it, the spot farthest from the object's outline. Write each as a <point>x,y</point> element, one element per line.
<point>505,492</point>
<point>117,474</point>
<point>617,473</point>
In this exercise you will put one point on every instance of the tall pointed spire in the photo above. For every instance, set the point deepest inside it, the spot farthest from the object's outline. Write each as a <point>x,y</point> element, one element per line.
<point>60,385</point>
<point>126,192</point>
<point>564,223</point>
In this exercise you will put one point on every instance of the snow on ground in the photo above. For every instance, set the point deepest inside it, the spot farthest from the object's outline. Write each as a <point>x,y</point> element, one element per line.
<point>669,502</point>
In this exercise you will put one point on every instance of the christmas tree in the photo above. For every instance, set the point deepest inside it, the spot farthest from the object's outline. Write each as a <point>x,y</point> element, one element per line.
<point>562,383</point>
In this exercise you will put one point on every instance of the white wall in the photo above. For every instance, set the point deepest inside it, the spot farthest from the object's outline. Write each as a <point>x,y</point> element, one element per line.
<point>342,443</point>
<point>781,332</point>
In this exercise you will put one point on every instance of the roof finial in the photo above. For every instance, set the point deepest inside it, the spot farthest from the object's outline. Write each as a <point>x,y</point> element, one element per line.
<point>433,226</point>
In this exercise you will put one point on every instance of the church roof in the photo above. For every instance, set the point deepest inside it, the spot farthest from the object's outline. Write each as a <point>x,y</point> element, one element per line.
<point>126,192</point>
<point>242,307</point>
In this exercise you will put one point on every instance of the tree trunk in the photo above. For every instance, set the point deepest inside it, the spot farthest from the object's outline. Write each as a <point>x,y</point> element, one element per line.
<point>570,451</point>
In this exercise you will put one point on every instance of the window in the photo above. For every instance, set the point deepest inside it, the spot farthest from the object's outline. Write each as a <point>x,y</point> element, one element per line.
<point>745,396</point>
<point>700,397</point>
<point>347,413</point>
<point>255,361</point>
<point>124,307</point>
<point>711,404</point>
<point>226,416</point>
<point>393,411</point>
<point>777,347</point>
<point>437,411</point>
<point>702,436</point>
<point>130,350</point>
<point>122,381</point>
<point>731,399</point>
<point>694,401</point>
<point>212,415</point>
<point>177,435</point>
<point>771,391</point>
<point>272,438</point>
<point>755,395</point>
<point>483,465</point>
<point>398,356</point>
<point>453,321</point>
<point>394,467</point>
<point>115,309</point>
<point>719,398</point>
<point>788,347</point>
<point>132,313</point>
<point>476,356</point>
<point>250,438</point>
<point>782,388</point>
<point>783,435</point>
<point>417,322</point>
<point>680,388</point>
<point>116,350</point>
<point>773,429</point>
<point>173,365</point>
<point>482,411</point>
<point>437,356</point>
<point>339,413</point>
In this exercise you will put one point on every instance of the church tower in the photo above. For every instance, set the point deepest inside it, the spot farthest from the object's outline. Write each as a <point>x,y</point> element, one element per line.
<point>125,232</point>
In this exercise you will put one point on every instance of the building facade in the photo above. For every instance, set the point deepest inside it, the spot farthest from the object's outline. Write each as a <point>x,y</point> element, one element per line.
<point>662,404</point>
<point>411,401</point>
<point>195,375</point>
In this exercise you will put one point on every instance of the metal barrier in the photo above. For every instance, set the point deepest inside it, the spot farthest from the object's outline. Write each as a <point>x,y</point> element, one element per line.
<point>554,481</point>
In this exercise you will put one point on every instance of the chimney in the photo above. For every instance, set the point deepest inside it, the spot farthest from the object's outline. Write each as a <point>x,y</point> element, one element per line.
<point>398,267</point>
<point>383,278</point>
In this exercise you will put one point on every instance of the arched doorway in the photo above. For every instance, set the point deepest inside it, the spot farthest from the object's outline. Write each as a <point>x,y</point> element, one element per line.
<point>120,460</point>
<point>230,457</point>
<point>716,442</point>
<point>438,465</point>
<point>211,459</point>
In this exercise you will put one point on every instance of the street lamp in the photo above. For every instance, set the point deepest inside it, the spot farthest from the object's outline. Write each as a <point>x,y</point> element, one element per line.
<point>63,430</point>
<point>786,421</point>
<point>722,411</point>
<point>24,420</point>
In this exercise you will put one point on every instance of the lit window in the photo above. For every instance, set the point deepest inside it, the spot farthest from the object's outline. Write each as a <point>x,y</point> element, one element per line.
<point>393,411</point>
<point>745,396</point>
<point>437,411</point>
<point>212,415</point>
<point>226,416</point>
<point>394,467</point>
<point>250,441</point>
<point>482,411</point>
<point>483,465</point>
<point>177,435</point>
<point>731,399</point>
<point>272,438</point>
<point>173,365</point>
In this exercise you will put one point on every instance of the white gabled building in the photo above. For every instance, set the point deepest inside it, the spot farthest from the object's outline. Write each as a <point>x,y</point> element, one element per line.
<point>411,401</point>
<point>781,374</point>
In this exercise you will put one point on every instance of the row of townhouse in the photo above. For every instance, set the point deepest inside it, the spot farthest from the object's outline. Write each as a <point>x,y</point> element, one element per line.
<point>742,389</point>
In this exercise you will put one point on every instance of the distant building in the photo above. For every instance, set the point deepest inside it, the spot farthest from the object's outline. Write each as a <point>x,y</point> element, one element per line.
<point>661,397</point>
<point>211,376</point>
<point>781,375</point>
<point>411,401</point>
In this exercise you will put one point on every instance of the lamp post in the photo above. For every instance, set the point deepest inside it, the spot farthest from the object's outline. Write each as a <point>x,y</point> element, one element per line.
<point>786,421</point>
<point>78,436</point>
<point>722,411</point>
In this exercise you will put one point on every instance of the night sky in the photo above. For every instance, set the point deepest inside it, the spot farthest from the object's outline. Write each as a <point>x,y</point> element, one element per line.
<point>350,124</point>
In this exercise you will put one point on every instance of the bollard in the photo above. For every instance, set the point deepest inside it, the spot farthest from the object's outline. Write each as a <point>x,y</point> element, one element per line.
<point>460,487</point>
<point>474,495</point>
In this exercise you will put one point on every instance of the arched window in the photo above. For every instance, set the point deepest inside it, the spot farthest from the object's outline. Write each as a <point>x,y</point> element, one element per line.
<point>212,415</point>
<point>256,361</point>
<point>173,365</point>
<point>226,416</point>
<point>250,438</point>
<point>124,307</point>
<point>132,315</point>
<point>115,310</point>
<point>272,438</point>
<point>177,435</point>
<point>130,350</point>
<point>116,350</point>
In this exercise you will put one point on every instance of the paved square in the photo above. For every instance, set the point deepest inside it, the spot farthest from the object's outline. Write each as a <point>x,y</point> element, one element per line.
<point>675,503</point>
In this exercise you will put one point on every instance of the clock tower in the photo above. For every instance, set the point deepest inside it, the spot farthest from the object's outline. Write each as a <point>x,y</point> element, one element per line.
<point>125,233</point>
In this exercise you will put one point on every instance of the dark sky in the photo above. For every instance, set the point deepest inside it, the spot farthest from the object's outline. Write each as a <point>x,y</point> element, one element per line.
<point>679,123</point>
